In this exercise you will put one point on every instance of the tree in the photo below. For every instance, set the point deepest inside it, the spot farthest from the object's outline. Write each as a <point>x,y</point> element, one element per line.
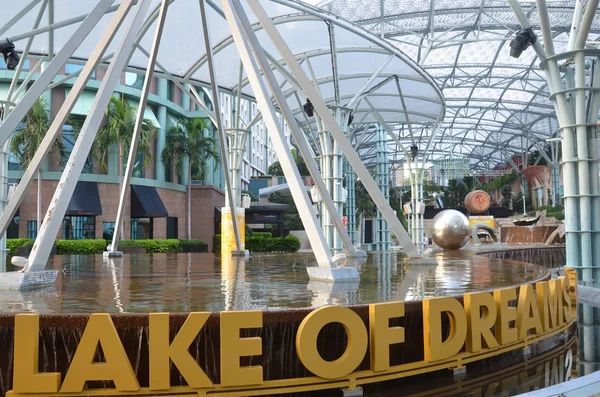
<point>28,138</point>
<point>119,130</point>
<point>507,194</point>
<point>186,140</point>
<point>291,219</point>
<point>455,193</point>
<point>276,170</point>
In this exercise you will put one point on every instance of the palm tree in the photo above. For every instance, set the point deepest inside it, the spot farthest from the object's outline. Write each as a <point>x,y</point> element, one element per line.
<point>28,138</point>
<point>119,130</point>
<point>187,140</point>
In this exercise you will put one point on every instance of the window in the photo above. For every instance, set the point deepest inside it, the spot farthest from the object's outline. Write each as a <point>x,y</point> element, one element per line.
<point>169,90</point>
<point>134,80</point>
<point>168,171</point>
<point>172,227</point>
<point>141,228</point>
<point>79,227</point>
<point>13,228</point>
<point>31,229</point>
<point>68,143</point>
<point>138,165</point>
<point>73,68</point>
<point>108,229</point>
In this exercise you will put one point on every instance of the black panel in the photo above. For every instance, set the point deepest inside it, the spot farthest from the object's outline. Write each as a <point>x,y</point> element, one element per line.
<point>85,200</point>
<point>146,203</point>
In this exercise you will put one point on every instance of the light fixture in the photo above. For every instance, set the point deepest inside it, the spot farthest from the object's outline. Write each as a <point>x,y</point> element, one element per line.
<point>523,39</point>
<point>10,55</point>
<point>350,118</point>
<point>309,108</point>
<point>414,151</point>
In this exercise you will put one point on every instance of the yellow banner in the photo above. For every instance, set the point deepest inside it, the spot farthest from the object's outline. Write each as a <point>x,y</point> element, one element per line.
<point>227,234</point>
<point>483,219</point>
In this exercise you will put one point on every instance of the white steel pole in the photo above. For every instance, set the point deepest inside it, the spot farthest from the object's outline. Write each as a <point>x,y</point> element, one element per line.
<point>304,148</point>
<point>52,69</point>
<point>63,114</point>
<point>137,129</point>
<point>62,195</point>
<point>309,219</point>
<point>220,127</point>
<point>335,129</point>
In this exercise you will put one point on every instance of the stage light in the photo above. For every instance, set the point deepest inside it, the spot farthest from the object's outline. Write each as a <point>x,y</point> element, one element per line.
<point>522,41</point>
<point>309,108</point>
<point>350,118</point>
<point>10,55</point>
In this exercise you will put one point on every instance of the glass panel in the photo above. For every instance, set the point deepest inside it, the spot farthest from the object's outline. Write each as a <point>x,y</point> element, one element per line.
<point>141,228</point>
<point>79,227</point>
<point>31,229</point>
<point>68,143</point>
<point>172,227</point>
<point>108,229</point>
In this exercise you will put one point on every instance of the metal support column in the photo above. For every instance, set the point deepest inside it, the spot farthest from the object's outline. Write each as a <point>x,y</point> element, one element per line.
<point>62,195</point>
<point>137,129</point>
<point>305,209</point>
<point>63,113</point>
<point>382,230</point>
<point>351,201</point>
<point>236,139</point>
<point>333,127</point>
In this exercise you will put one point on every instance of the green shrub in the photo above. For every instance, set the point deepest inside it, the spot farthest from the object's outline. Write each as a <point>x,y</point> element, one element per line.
<point>154,246</point>
<point>273,244</point>
<point>80,246</point>
<point>263,234</point>
<point>13,244</point>
<point>190,242</point>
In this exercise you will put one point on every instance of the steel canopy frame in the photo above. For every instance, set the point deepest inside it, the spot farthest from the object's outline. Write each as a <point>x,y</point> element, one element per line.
<point>464,46</point>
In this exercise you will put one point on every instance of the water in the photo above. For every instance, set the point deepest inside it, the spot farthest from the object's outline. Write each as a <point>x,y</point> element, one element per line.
<point>203,282</point>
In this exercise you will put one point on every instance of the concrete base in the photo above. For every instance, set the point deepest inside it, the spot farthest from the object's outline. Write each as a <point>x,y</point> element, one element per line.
<point>22,281</point>
<point>244,254</point>
<point>333,274</point>
<point>355,392</point>
<point>356,254</point>
<point>112,254</point>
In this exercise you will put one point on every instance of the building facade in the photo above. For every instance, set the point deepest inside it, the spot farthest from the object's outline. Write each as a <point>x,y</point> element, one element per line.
<point>157,204</point>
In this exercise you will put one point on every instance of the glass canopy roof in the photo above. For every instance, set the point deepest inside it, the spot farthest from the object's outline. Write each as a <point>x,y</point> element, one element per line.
<point>496,105</point>
<point>365,63</point>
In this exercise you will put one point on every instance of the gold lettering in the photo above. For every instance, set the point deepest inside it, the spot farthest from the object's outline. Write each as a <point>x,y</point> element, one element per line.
<point>233,347</point>
<point>162,352</point>
<point>504,333</point>
<point>528,316</point>
<point>116,367</point>
<point>26,375</point>
<point>481,315</point>
<point>435,347</point>
<point>381,334</point>
<point>547,298</point>
<point>306,342</point>
<point>569,294</point>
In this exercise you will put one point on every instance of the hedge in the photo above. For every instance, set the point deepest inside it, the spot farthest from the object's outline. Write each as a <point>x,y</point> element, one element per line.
<point>13,244</point>
<point>265,242</point>
<point>80,246</point>
<point>98,246</point>
<point>273,244</point>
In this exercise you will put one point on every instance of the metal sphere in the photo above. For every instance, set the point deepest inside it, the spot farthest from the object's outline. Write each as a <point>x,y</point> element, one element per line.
<point>450,230</point>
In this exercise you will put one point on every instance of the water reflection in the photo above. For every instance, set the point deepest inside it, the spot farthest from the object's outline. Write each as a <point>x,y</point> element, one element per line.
<point>203,282</point>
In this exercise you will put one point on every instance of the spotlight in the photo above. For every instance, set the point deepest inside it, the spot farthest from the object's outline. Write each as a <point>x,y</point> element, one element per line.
<point>350,118</point>
<point>309,108</point>
<point>10,55</point>
<point>414,151</point>
<point>522,41</point>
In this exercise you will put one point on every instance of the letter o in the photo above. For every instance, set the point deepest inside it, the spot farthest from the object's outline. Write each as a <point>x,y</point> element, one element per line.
<point>306,342</point>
